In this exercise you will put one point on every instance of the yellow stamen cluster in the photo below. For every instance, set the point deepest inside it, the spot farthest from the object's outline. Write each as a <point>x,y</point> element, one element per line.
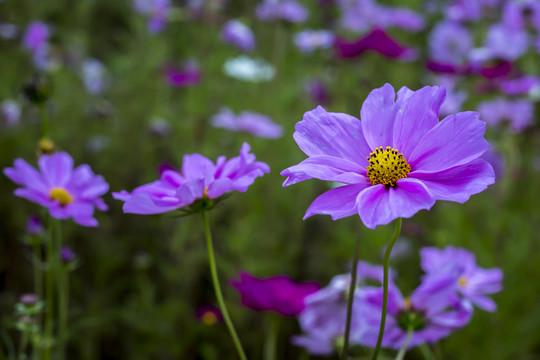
<point>387,166</point>
<point>209,318</point>
<point>407,303</point>
<point>205,193</point>
<point>61,195</point>
<point>462,281</point>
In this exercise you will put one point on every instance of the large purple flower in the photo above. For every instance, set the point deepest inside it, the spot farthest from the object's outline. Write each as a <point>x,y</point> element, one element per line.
<point>472,282</point>
<point>432,312</point>
<point>395,162</point>
<point>200,179</point>
<point>67,192</point>
<point>250,122</point>
<point>278,293</point>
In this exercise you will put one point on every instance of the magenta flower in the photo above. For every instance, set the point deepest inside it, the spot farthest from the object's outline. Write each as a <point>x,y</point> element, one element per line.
<point>395,162</point>
<point>200,181</point>
<point>188,75</point>
<point>67,192</point>
<point>236,33</point>
<point>36,36</point>
<point>377,41</point>
<point>250,122</point>
<point>278,293</point>
<point>472,282</point>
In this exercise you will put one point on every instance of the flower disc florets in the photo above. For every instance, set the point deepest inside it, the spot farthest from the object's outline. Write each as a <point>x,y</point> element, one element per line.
<point>387,166</point>
<point>61,195</point>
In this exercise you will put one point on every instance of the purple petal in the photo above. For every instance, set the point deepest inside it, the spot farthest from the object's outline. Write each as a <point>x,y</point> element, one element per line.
<point>378,114</point>
<point>26,175</point>
<point>190,191</point>
<point>34,196</point>
<point>219,187</point>
<point>142,203</point>
<point>196,166</point>
<point>338,203</point>
<point>56,169</point>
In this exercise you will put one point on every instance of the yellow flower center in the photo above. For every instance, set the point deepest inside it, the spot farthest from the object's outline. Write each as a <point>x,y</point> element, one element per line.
<point>387,166</point>
<point>462,281</point>
<point>205,193</point>
<point>61,195</point>
<point>209,318</point>
<point>407,303</point>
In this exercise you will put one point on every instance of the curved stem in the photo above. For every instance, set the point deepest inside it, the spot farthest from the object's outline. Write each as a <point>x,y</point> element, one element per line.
<point>352,288</point>
<point>271,339</point>
<point>426,352</point>
<point>403,350</point>
<point>217,288</point>
<point>385,287</point>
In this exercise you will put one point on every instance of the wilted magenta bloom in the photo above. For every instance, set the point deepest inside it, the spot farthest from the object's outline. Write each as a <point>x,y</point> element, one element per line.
<point>445,68</point>
<point>236,33</point>
<point>200,179</point>
<point>472,282</point>
<point>10,110</point>
<point>432,311</point>
<point>310,40</point>
<point>365,15</point>
<point>286,10</point>
<point>278,293</point>
<point>324,317</point>
<point>454,98</point>
<point>34,226</point>
<point>395,162</point>
<point>209,314</point>
<point>522,85</point>
<point>500,69</point>
<point>377,41</point>
<point>67,255</point>
<point>188,75</point>
<point>449,43</point>
<point>519,113</point>
<point>257,124</point>
<point>67,192</point>
<point>156,11</point>
<point>316,90</point>
<point>94,76</point>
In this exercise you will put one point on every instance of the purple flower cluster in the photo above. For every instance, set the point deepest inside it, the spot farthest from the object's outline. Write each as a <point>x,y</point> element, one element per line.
<point>250,122</point>
<point>310,40</point>
<point>519,113</point>
<point>36,40</point>
<point>236,33</point>
<point>285,10</point>
<point>156,11</point>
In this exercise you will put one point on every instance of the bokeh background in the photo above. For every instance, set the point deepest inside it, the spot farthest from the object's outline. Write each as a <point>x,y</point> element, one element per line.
<point>140,279</point>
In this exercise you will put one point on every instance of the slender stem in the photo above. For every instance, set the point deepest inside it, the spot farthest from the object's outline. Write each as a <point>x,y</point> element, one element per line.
<point>271,339</point>
<point>426,352</point>
<point>217,288</point>
<point>49,291</point>
<point>385,287</point>
<point>403,350</point>
<point>37,263</point>
<point>44,120</point>
<point>62,303</point>
<point>352,288</point>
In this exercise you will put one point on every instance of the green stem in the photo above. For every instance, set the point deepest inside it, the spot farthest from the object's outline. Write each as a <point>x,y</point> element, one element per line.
<point>385,287</point>
<point>217,288</point>
<point>271,339</point>
<point>44,120</point>
<point>426,352</point>
<point>352,288</point>
<point>61,293</point>
<point>38,289</point>
<point>403,350</point>
<point>51,257</point>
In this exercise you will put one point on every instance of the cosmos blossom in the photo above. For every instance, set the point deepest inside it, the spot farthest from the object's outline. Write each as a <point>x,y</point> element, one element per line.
<point>200,179</point>
<point>398,160</point>
<point>257,124</point>
<point>65,191</point>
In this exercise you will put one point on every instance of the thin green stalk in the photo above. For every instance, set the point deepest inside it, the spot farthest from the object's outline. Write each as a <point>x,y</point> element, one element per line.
<point>51,257</point>
<point>271,339</point>
<point>61,293</point>
<point>44,120</point>
<point>352,288</point>
<point>403,350</point>
<point>426,352</point>
<point>37,262</point>
<point>217,288</point>
<point>385,287</point>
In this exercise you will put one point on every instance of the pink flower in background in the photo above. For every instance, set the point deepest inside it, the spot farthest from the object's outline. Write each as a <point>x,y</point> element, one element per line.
<point>187,75</point>
<point>377,41</point>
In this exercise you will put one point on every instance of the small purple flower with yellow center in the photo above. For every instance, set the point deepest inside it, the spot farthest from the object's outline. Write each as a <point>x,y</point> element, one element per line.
<point>236,33</point>
<point>65,191</point>
<point>199,185</point>
<point>278,293</point>
<point>473,282</point>
<point>209,314</point>
<point>396,161</point>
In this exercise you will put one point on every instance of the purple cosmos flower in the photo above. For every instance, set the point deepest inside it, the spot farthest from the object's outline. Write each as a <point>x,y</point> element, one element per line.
<point>157,12</point>
<point>250,122</point>
<point>236,33</point>
<point>67,192</point>
<point>454,99</point>
<point>67,255</point>
<point>506,43</point>
<point>449,43</point>
<point>432,312</point>
<point>287,10</point>
<point>519,113</point>
<point>10,110</point>
<point>200,179</point>
<point>278,293</point>
<point>34,226</point>
<point>209,314</point>
<point>94,76</point>
<point>377,41</point>
<point>188,75</point>
<point>395,162</point>
<point>471,281</point>
<point>522,85</point>
<point>36,36</point>
<point>29,299</point>
<point>469,10</point>
<point>323,319</point>
<point>316,90</point>
<point>159,126</point>
<point>310,40</point>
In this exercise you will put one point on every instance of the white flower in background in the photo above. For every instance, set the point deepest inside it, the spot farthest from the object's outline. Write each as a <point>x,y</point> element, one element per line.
<point>248,69</point>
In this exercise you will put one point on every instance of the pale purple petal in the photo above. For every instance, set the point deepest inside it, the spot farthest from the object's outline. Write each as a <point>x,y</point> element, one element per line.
<point>338,203</point>
<point>56,169</point>
<point>190,191</point>
<point>378,114</point>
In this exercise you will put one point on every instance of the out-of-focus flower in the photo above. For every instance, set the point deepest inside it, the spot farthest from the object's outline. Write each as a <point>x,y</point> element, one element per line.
<point>188,75</point>
<point>317,91</point>
<point>8,31</point>
<point>286,10</point>
<point>250,122</point>
<point>209,314</point>
<point>523,85</point>
<point>471,281</point>
<point>469,10</point>
<point>157,12</point>
<point>29,299</point>
<point>377,41</point>
<point>10,111</point>
<point>519,113</point>
<point>443,68</point>
<point>398,160</point>
<point>35,40</point>
<point>94,76</point>
<point>310,40</point>
<point>449,43</point>
<point>496,160</point>
<point>278,293</point>
<point>200,181</point>
<point>432,312</point>
<point>34,226</point>
<point>248,69</point>
<point>159,126</point>
<point>66,192</point>
<point>518,14</point>
<point>67,255</point>
<point>506,43</point>
<point>236,33</point>
<point>198,7</point>
<point>97,143</point>
<point>454,99</point>
<point>323,319</point>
